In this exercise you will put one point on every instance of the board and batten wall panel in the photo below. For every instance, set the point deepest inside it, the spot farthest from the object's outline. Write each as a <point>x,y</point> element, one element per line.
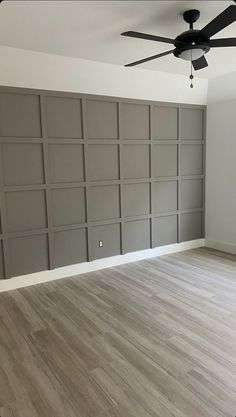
<point>79,169</point>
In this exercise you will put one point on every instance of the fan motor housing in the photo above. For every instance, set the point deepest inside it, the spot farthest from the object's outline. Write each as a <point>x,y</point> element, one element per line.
<point>191,39</point>
<point>190,36</point>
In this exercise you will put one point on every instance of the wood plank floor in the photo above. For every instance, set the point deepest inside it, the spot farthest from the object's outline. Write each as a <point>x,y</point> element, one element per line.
<point>156,338</point>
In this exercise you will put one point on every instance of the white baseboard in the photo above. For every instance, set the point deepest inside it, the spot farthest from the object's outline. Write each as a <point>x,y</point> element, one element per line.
<point>82,268</point>
<point>221,245</point>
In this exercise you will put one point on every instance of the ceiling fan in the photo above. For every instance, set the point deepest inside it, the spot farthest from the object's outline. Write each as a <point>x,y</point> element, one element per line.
<point>193,44</point>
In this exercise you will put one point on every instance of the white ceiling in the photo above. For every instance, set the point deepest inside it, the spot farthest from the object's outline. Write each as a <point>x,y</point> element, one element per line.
<point>91,30</point>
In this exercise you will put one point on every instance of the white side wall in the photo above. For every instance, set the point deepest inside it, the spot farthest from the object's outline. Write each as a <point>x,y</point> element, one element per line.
<point>21,68</point>
<point>222,88</point>
<point>221,168</point>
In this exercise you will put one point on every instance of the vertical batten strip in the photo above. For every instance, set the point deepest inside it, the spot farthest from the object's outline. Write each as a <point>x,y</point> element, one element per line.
<point>204,170</point>
<point>179,137</point>
<point>47,182</point>
<point>151,173</point>
<point>86,176</point>
<point>5,245</point>
<point>121,178</point>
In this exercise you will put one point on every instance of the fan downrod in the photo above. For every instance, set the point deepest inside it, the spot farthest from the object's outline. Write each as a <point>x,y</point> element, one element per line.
<point>191,16</point>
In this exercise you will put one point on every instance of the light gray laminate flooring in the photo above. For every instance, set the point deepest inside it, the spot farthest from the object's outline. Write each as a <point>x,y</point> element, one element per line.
<point>155,338</point>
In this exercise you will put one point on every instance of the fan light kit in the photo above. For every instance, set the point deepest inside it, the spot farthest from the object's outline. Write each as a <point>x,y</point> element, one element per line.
<point>192,54</point>
<point>193,44</point>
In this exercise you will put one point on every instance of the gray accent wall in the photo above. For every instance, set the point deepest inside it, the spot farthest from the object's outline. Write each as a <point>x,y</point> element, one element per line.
<point>79,169</point>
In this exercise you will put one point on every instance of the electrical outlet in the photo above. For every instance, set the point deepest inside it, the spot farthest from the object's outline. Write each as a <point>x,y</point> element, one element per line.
<point>100,243</point>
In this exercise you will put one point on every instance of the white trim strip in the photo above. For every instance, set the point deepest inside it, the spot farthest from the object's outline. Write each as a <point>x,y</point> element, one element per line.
<point>82,268</point>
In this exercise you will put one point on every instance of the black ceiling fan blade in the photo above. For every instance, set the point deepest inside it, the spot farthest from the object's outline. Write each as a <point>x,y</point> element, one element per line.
<point>200,63</point>
<point>148,37</point>
<point>150,58</point>
<point>217,43</point>
<point>223,20</point>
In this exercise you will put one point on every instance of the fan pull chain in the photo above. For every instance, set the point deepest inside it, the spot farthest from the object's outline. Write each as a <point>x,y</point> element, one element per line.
<point>191,75</point>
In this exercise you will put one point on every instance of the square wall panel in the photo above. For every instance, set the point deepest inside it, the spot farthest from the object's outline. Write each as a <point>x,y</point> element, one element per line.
<point>64,117</point>
<point>165,123</point>
<point>28,254</point>
<point>20,115</point>
<point>191,159</point>
<point>102,119</point>
<point>136,161</point>
<point>109,234</point>
<point>192,124</point>
<point>165,160</point>
<point>23,164</point>
<point>135,121</point>
<point>70,247</point>
<point>165,230</point>
<point>66,163</point>
<point>191,226</point>
<point>26,210</point>
<point>191,194</point>
<point>2,273</point>
<point>137,235</point>
<point>136,199</point>
<point>103,162</point>
<point>68,206</point>
<point>104,202</point>
<point>165,196</point>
